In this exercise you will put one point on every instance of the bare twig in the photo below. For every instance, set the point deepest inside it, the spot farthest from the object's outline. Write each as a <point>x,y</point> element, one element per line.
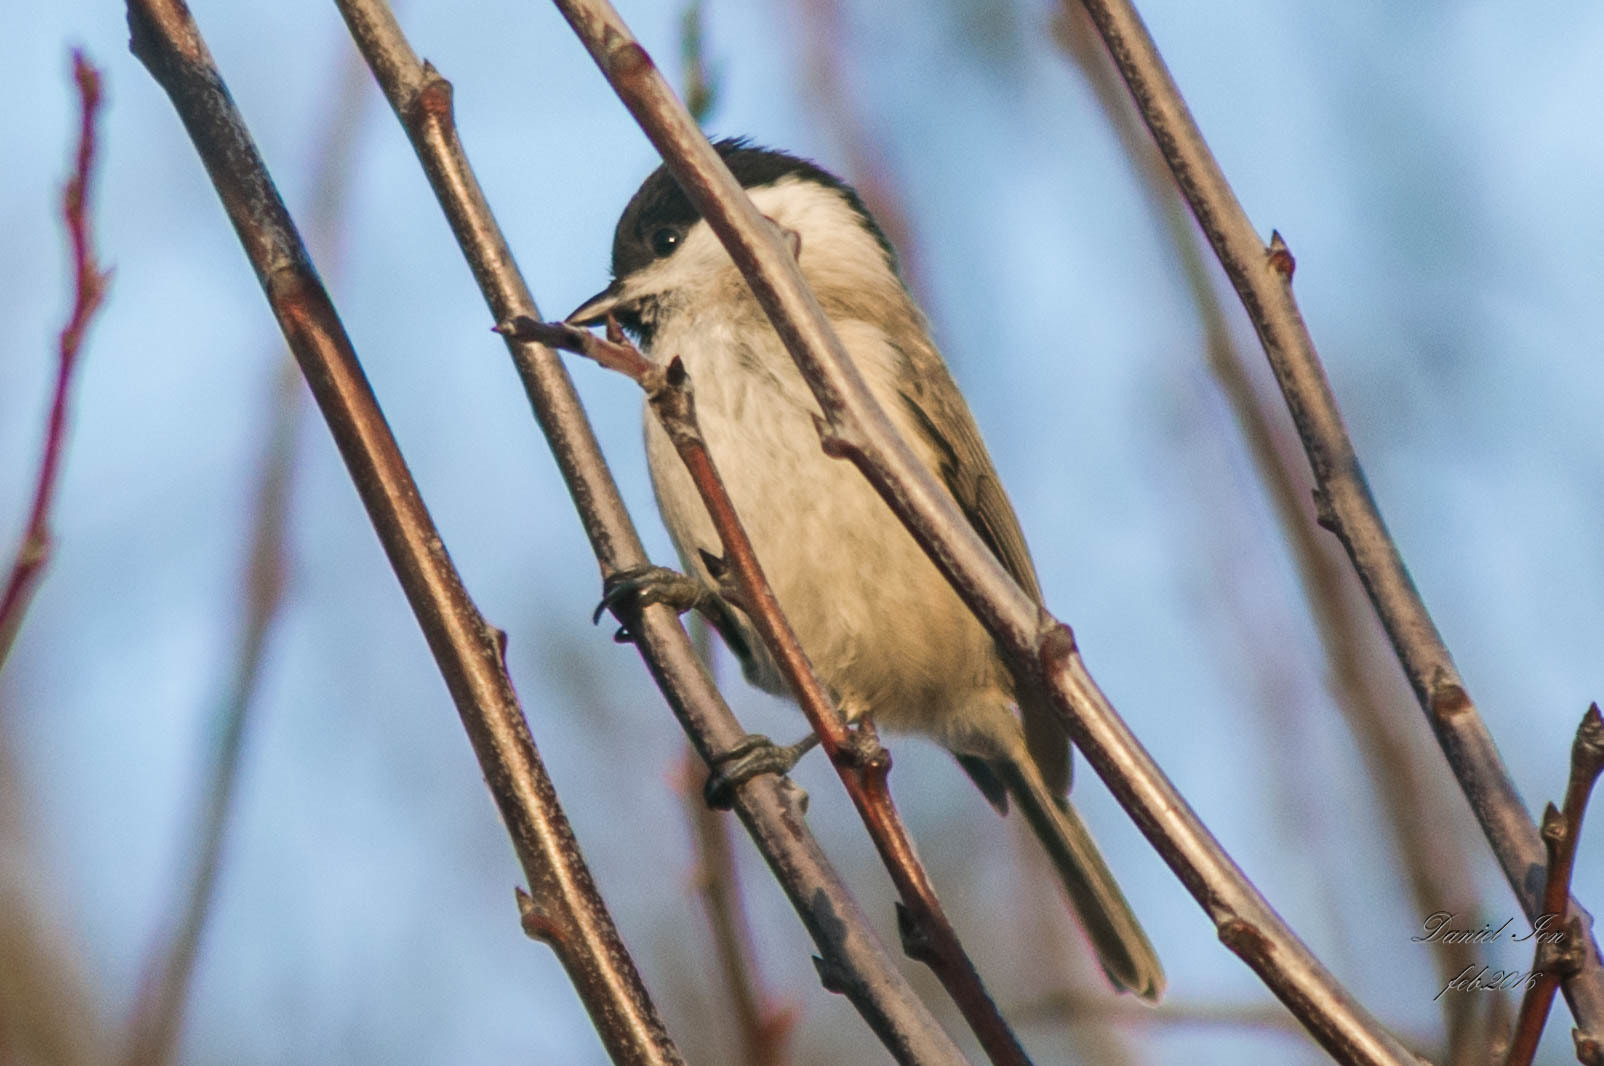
<point>1262,278</point>
<point>1560,943</point>
<point>764,1028</point>
<point>860,761</point>
<point>562,907</point>
<point>1438,869</point>
<point>89,287</point>
<point>854,427</point>
<point>824,48</point>
<point>159,1002</point>
<point>701,81</point>
<point>851,954</point>
<point>1072,1007</point>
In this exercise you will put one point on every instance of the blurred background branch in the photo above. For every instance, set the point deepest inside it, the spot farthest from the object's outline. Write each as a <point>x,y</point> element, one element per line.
<point>1412,793</point>
<point>160,1001</point>
<point>1446,226</point>
<point>764,1028</point>
<point>89,286</point>
<point>561,906</point>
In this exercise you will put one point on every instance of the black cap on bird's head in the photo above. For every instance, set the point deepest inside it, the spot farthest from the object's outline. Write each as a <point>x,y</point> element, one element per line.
<point>659,214</point>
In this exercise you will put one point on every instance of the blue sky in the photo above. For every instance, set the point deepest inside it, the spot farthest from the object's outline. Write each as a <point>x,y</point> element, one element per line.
<point>1435,173</point>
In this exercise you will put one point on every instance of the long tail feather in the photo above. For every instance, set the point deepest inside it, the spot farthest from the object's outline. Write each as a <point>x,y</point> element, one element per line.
<point>1122,947</point>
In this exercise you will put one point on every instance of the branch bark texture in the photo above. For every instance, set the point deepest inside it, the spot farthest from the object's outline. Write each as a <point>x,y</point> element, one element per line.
<point>1562,945</point>
<point>571,916</point>
<point>863,765</point>
<point>1262,278</point>
<point>854,427</point>
<point>770,809</point>
<point>1416,800</point>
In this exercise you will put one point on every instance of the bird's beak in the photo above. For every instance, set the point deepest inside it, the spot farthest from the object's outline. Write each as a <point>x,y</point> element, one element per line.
<point>595,310</point>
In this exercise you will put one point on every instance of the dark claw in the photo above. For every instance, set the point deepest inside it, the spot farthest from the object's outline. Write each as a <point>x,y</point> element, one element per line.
<point>755,754</point>
<point>642,586</point>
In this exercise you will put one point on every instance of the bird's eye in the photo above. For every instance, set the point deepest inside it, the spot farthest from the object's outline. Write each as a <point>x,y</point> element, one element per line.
<point>665,240</point>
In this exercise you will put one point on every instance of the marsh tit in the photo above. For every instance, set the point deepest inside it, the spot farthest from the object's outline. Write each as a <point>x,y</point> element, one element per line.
<point>883,628</point>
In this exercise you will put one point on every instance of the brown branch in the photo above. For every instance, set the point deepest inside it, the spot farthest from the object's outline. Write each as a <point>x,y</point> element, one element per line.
<point>860,761</point>
<point>563,907</point>
<point>89,287</point>
<point>1262,278</point>
<point>1560,945</point>
<point>1038,645</point>
<point>771,809</point>
<point>765,1029</point>
<point>1438,868</point>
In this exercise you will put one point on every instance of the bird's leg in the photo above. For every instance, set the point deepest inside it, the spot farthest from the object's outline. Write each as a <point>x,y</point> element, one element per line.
<point>627,591</point>
<point>754,754</point>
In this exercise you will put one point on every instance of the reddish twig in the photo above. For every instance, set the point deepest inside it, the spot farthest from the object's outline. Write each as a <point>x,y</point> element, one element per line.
<point>770,808</point>
<point>764,1028</point>
<point>861,762</point>
<point>1040,647</point>
<point>1262,277</point>
<point>1561,946</point>
<point>562,907</point>
<point>89,288</point>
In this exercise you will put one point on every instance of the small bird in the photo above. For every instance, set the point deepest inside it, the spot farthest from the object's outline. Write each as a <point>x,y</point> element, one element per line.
<point>885,631</point>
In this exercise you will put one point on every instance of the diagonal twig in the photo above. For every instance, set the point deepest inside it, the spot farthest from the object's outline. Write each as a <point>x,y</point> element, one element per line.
<point>862,764</point>
<point>1438,870</point>
<point>89,288</point>
<point>770,809</point>
<point>1262,278</point>
<point>562,906</point>
<point>1560,940</point>
<point>1041,648</point>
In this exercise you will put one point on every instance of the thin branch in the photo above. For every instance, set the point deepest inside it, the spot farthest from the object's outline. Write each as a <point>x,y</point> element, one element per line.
<point>1438,868</point>
<point>1560,944</point>
<point>159,1003</point>
<point>824,48</point>
<point>701,80</point>
<point>858,964</point>
<point>1040,647</point>
<point>765,1029</point>
<point>89,287</point>
<point>1262,278</point>
<point>1072,1007</point>
<point>563,907</point>
<point>160,1000</point>
<point>860,761</point>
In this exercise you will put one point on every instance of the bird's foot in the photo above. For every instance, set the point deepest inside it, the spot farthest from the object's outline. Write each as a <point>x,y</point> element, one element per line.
<point>628,591</point>
<point>755,754</point>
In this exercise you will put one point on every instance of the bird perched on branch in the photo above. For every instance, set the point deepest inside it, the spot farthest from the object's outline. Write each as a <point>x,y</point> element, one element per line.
<point>884,629</point>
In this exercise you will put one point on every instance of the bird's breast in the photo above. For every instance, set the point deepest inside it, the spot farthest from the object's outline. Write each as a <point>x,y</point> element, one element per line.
<point>881,625</point>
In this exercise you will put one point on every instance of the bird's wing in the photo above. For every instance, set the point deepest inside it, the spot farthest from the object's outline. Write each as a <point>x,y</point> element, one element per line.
<point>942,419</point>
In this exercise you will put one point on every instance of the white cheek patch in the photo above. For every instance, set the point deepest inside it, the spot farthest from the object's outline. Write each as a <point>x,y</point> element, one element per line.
<point>832,228</point>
